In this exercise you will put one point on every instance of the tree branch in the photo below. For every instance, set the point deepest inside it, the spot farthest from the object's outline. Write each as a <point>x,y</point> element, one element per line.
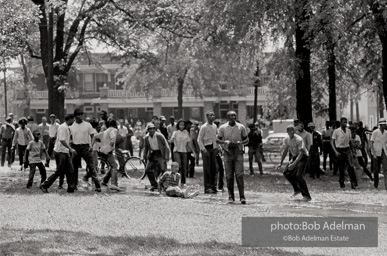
<point>80,45</point>
<point>81,16</point>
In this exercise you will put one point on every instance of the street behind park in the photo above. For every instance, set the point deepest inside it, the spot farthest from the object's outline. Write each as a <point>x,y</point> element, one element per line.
<point>137,221</point>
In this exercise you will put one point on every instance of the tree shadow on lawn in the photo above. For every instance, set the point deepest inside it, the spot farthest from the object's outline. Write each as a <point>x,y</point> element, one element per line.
<point>53,242</point>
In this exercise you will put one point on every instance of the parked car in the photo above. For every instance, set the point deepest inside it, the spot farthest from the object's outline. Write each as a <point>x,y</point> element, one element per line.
<point>273,142</point>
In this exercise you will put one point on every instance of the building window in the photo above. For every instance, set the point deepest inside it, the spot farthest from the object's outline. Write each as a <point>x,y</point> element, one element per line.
<point>40,111</point>
<point>88,85</point>
<point>101,79</point>
<point>195,113</point>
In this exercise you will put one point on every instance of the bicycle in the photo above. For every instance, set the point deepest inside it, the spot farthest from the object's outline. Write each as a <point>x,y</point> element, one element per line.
<point>134,167</point>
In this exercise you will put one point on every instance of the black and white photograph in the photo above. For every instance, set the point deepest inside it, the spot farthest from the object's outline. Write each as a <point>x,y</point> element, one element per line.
<point>193,127</point>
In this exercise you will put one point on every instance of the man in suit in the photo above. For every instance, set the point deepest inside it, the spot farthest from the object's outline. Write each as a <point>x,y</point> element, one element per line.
<point>156,154</point>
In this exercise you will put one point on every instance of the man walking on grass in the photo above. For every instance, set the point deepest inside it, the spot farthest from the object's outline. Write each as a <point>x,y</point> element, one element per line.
<point>156,154</point>
<point>340,146</point>
<point>23,136</point>
<point>63,154</point>
<point>233,136</point>
<point>52,131</point>
<point>379,151</point>
<point>295,170</point>
<point>7,131</point>
<point>208,146</point>
<point>108,142</point>
<point>81,132</point>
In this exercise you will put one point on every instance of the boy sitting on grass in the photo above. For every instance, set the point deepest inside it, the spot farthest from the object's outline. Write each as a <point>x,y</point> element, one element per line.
<point>34,158</point>
<point>170,182</point>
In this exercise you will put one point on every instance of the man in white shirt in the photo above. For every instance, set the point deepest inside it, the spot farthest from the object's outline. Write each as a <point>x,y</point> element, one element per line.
<point>63,153</point>
<point>208,146</point>
<point>108,141</point>
<point>23,136</point>
<point>170,129</point>
<point>233,136</point>
<point>52,130</point>
<point>340,146</point>
<point>295,170</point>
<point>379,151</point>
<point>81,132</point>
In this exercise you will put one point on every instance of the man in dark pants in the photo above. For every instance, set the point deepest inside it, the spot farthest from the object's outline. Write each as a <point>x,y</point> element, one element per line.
<point>314,153</point>
<point>52,130</point>
<point>361,131</point>
<point>190,155</point>
<point>255,140</point>
<point>233,136</point>
<point>81,133</point>
<point>340,145</point>
<point>63,153</point>
<point>22,137</point>
<point>208,146</point>
<point>128,141</point>
<point>156,155</point>
<point>295,170</point>
<point>7,131</point>
<point>163,128</point>
<point>379,151</point>
<point>327,149</point>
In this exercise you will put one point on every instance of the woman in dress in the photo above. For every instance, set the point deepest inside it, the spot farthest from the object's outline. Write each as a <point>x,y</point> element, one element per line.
<point>181,140</point>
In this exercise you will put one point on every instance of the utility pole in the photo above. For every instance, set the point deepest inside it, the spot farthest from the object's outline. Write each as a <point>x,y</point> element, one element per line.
<point>256,85</point>
<point>5,90</point>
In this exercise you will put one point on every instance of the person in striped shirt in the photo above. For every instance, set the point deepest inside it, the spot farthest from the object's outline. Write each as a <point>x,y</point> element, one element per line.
<point>170,182</point>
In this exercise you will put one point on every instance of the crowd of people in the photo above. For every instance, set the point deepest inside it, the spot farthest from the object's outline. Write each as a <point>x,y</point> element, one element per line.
<point>221,147</point>
<point>348,146</point>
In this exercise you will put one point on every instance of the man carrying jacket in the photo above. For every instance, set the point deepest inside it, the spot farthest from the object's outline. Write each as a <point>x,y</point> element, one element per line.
<point>156,155</point>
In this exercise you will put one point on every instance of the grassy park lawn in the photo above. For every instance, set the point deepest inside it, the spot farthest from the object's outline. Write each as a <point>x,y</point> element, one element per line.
<point>139,222</point>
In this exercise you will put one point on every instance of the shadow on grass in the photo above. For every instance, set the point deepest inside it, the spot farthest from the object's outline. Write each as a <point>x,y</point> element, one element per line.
<point>49,242</point>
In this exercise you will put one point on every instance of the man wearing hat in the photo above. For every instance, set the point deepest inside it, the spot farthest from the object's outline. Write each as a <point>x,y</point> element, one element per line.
<point>163,127</point>
<point>23,136</point>
<point>340,146</point>
<point>32,125</point>
<point>156,154</point>
<point>314,153</point>
<point>379,151</point>
<point>7,131</point>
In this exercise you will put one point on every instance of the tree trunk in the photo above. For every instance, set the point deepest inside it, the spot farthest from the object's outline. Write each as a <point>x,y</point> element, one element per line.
<point>381,104</point>
<point>180,86</point>
<point>26,90</point>
<point>357,112</point>
<point>384,71</point>
<point>332,82</point>
<point>303,81</point>
<point>351,108</point>
<point>180,99</point>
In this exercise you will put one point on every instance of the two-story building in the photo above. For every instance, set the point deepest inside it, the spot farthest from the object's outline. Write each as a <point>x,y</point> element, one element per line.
<point>96,87</point>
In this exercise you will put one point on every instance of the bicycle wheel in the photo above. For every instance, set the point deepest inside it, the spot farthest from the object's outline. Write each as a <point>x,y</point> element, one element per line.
<point>135,168</point>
